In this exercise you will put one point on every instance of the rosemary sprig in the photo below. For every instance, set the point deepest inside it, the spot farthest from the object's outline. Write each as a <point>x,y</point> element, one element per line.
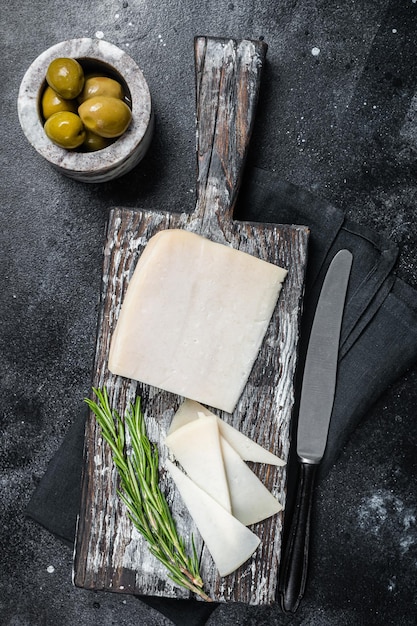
<point>141,493</point>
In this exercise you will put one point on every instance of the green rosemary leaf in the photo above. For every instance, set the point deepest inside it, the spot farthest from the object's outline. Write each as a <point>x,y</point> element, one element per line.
<point>140,491</point>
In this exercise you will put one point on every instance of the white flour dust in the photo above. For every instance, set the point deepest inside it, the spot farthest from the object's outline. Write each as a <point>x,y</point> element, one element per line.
<point>383,512</point>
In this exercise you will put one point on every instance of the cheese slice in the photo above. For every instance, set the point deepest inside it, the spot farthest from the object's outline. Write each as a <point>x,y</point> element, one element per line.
<point>251,501</point>
<point>247,449</point>
<point>194,317</point>
<point>196,446</point>
<point>229,542</point>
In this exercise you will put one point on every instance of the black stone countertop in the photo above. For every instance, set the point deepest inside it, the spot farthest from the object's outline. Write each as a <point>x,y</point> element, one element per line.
<point>338,117</point>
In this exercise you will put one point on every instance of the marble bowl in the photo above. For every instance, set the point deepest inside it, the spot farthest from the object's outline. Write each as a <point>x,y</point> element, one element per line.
<point>122,155</point>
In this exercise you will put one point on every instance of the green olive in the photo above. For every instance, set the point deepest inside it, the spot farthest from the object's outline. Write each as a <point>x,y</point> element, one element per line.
<point>107,117</point>
<point>100,86</point>
<point>93,142</point>
<point>52,103</point>
<point>65,129</point>
<point>66,77</point>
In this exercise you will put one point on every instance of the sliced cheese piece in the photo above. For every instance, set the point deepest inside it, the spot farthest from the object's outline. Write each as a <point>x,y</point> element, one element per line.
<point>196,446</point>
<point>229,542</point>
<point>251,501</point>
<point>248,450</point>
<point>194,317</point>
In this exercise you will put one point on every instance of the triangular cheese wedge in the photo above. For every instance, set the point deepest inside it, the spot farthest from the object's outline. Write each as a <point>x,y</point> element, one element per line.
<point>251,501</point>
<point>247,449</point>
<point>196,446</point>
<point>229,542</point>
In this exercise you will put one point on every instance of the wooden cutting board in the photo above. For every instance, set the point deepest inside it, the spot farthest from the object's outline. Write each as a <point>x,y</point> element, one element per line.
<point>109,554</point>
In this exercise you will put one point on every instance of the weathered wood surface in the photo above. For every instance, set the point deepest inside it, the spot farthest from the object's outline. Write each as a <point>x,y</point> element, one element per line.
<point>109,554</point>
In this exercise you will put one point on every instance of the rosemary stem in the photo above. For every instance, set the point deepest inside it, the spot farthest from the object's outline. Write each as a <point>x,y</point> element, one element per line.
<point>140,490</point>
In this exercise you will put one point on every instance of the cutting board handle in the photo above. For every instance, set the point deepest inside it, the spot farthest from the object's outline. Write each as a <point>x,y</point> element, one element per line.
<point>228,75</point>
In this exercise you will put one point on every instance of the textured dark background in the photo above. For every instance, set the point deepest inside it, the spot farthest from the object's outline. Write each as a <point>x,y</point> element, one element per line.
<point>341,123</point>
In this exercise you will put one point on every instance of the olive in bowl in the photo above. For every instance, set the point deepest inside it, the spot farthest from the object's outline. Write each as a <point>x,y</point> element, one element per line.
<point>66,77</point>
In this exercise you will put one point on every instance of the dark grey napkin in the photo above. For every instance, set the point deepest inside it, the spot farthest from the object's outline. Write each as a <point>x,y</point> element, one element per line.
<point>378,344</point>
<point>379,331</point>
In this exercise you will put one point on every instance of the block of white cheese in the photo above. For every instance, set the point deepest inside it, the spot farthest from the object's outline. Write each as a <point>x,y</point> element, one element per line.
<point>229,542</point>
<point>247,449</point>
<point>194,317</point>
<point>197,448</point>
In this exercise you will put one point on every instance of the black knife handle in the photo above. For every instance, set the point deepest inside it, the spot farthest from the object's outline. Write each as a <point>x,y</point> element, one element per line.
<point>295,560</point>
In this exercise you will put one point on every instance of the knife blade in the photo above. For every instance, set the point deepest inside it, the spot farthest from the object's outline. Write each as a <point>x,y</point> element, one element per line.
<point>315,409</point>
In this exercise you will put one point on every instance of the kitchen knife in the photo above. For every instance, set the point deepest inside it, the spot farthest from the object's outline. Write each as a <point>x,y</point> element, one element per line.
<point>316,404</point>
